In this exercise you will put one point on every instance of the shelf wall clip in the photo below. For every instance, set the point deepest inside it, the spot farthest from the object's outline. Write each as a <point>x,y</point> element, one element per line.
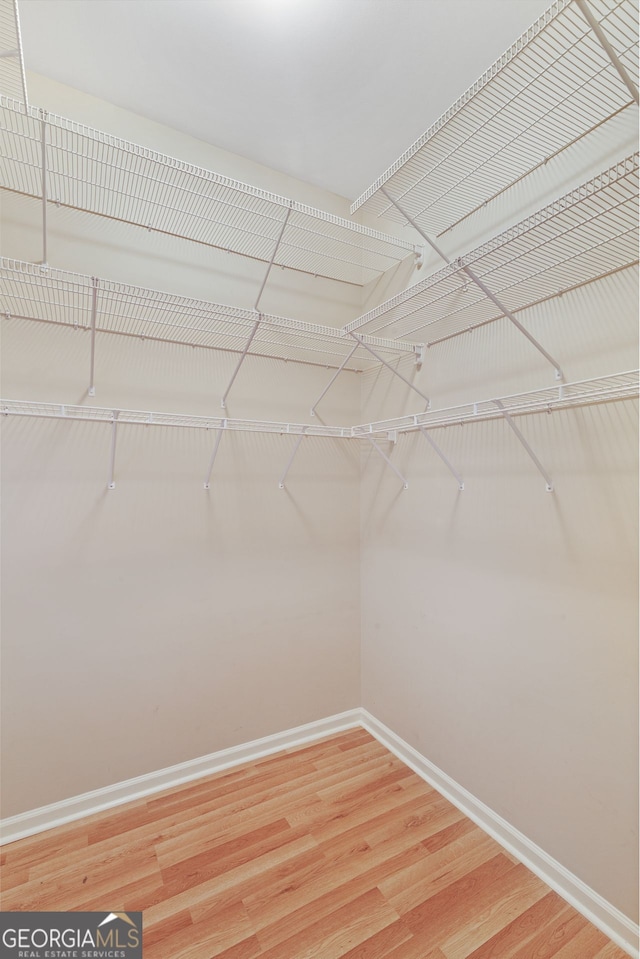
<point>405,484</point>
<point>524,443</point>
<point>487,292</point>
<point>389,367</point>
<point>434,446</point>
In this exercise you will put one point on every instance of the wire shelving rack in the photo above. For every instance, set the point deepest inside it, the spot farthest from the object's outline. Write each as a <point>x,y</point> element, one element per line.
<point>13,80</point>
<point>554,85</point>
<point>602,389</point>
<point>89,303</point>
<point>588,233</point>
<point>75,166</point>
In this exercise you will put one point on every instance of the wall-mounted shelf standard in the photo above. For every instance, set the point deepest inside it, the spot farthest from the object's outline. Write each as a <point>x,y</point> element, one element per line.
<point>589,233</point>
<point>40,293</point>
<point>555,84</point>
<point>13,80</point>
<point>603,389</point>
<point>75,166</point>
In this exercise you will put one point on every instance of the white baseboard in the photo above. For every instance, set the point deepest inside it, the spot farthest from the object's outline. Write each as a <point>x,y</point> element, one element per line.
<point>589,903</point>
<point>86,804</point>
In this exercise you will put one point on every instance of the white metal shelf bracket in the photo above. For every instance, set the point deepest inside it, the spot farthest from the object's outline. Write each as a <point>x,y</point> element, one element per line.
<point>611,53</point>
<point>273,256</point>
<point>523,441</point>
<point>94,311</point>
<point>389,367</point>
<point>487,292</point>
<point>405,484</point>
<point>434,446</point>
<point>223,402</point>
<point>260,315</point>
<point>333,379</point>
<point>43,151</point>
<point>207,482</point>
<point>112,455</point>
<point>291,459</point>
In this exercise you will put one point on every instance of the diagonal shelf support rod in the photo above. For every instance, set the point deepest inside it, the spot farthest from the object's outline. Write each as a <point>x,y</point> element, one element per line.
<point>434,446</point>
<point>94,312</point>
<point>43,151</point>
<point>523,441</point>
<point>333,379</point>
<point>384,456</point>
<point>611,53</point>
<point>389,367</point>
<point>20,54</point>
<point>112,455</point>
<point>260,315</point>
<point>207,482</point>
<point>487,292</point>
<point>291,459</point>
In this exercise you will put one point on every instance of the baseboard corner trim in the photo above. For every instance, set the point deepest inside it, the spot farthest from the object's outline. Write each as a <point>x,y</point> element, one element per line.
<point>65,811</point>
<point>610,920</point>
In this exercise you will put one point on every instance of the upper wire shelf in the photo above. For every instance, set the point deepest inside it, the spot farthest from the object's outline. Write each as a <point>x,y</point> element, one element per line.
<point>555,84</point>
<point>13,80</point>
<point>602,389</point>
<point>101,174</point>
<point>589,233</point>
<point>72,299</point>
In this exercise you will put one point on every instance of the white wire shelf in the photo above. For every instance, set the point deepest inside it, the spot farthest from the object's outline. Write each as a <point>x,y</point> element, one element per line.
<point>96,414</point>
<point>13,81</point>
<point>589,233</point>
<point>550,88</point>
<point>33,292</point>
<point>101,174</point>
<point>618,386</point>
<point>603,389</point>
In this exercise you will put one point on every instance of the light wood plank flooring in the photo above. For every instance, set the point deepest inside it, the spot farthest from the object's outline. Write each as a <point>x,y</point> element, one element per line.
<point>332,850</point>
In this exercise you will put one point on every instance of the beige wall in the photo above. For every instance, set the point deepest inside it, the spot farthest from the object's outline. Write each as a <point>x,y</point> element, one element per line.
<point>158,622</point>
<point>499,624</point>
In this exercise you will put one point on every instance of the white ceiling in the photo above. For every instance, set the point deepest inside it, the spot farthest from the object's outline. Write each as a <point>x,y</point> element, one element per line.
<point>329,91</point>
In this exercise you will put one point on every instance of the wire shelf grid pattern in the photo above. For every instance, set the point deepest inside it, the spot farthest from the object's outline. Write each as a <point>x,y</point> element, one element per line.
<point>554,85</point>
<point>13,81</point>
<point>57,296</point>
<point>101,174</point>
<point>603,389</point>
<point>586,234</point>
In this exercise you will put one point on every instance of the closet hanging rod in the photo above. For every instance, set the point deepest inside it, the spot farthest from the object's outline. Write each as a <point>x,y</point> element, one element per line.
<point>107,176</point>
<point>553,86</point>
<point>587,234</point>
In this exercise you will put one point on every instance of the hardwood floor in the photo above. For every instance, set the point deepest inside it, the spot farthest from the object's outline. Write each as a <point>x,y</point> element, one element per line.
<point>332,850</point>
